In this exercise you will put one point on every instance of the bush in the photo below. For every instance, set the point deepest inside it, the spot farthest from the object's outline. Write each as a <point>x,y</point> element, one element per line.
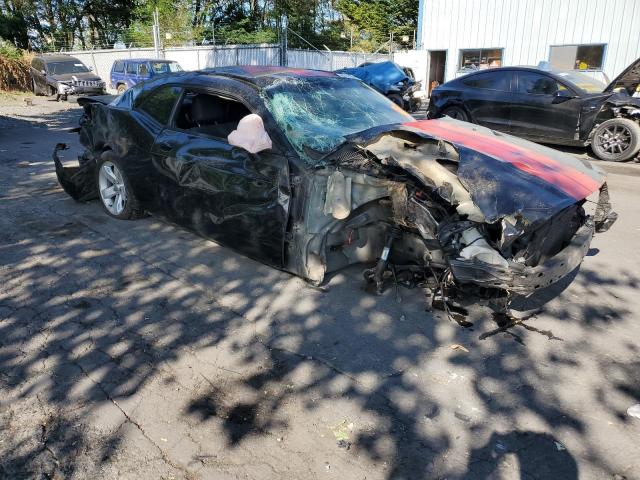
<point>14,67</point>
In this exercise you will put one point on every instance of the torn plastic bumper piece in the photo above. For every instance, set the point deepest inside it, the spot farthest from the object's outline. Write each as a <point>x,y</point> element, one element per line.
<point>522,279</point>
<point>77,181</point>
<point>604,216</point>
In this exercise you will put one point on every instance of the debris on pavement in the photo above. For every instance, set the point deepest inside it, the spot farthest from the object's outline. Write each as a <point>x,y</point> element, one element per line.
<point>344,444</point>
<point>634,410</point>
<point>560,447</point>
<point>341,432</point>
<point>457,346</point>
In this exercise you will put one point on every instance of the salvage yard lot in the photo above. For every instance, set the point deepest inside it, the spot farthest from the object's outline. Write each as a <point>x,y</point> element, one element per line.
<point>138,350</point>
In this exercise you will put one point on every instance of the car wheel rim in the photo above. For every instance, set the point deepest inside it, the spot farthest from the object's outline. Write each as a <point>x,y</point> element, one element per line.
<point>112,189</point>
<point>614,140</point>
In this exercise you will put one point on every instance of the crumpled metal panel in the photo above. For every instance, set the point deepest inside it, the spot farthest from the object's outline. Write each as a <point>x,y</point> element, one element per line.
<point>505,176</point>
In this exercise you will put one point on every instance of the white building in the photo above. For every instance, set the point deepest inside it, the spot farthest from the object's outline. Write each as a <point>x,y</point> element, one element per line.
<point>600,37</point>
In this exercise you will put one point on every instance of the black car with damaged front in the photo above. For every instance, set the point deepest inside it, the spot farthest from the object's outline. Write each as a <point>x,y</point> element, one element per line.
<point>311,172</point>
<point>564,108</point>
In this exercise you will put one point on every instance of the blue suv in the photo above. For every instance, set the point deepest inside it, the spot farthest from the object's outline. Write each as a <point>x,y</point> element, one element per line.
<point>126,73</point>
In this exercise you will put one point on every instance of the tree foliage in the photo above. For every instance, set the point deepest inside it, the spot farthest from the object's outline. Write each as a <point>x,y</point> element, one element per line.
<point>336,24</point>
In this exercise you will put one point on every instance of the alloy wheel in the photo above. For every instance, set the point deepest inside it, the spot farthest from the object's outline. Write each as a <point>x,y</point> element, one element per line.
<point>113,191</point>
<point>614,139</point>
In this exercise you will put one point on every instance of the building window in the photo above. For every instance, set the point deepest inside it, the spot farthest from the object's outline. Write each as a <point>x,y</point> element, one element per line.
<point>576,57</point>
<point>479,59</point>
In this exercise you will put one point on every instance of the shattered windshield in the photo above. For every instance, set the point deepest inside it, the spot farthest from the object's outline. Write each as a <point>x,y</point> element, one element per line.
<point>586,83</point>
<point>62,68</point>
<point>317,114</point>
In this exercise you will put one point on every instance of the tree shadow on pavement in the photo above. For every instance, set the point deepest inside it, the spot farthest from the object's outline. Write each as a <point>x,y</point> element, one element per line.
<point>112,331</point>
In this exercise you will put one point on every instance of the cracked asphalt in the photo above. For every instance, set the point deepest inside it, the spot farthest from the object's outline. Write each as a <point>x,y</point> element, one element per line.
<point>138,350</point>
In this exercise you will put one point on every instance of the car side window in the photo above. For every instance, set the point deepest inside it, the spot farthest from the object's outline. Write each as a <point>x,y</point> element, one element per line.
<point>500,81</point>
<point>532,83</point>
<point>132,68</point>
<point>209,114</point>
<point>118,67</point>
<point>158,103</point>
<point>142,69</point>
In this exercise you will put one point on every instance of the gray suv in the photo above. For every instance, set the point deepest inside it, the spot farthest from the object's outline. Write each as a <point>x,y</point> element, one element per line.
<point>63,75</point>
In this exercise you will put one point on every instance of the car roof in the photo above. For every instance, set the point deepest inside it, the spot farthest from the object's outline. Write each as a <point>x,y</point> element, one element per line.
<point>50,57</point>
<point>142,60</point>
<point>255,76</point>
<point>525,68</point>
<point>263,75</point>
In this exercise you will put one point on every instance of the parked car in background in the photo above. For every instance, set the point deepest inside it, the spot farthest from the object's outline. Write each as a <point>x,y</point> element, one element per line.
<point>310,172</point>
<point>127,73</point>
<point>565,108</point>
<point>397,83</point>
<point>63,75</point>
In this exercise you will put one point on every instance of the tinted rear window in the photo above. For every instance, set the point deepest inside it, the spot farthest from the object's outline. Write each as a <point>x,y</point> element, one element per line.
<point>159,103</point>
<point>535,84</point>
<point>490,81</point>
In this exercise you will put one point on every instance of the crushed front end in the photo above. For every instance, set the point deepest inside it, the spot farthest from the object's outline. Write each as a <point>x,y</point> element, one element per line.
<point>450,206</point>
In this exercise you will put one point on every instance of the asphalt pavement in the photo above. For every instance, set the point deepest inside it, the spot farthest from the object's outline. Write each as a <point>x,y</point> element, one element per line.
<point>139,350</point>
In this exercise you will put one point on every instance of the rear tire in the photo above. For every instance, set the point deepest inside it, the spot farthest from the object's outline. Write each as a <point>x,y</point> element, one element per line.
<point>616,140</point>
<point>456,113</point>
<point>114,189</point>
<point>121,88</point>
<point>34,87</point>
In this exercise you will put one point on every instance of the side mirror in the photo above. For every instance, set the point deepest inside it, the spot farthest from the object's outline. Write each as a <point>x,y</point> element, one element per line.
<point>562,96</point>
<point>43,72</point>
<point>250,134</point>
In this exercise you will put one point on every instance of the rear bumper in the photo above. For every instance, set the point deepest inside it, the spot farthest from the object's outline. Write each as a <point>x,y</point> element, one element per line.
<point>525,280</point>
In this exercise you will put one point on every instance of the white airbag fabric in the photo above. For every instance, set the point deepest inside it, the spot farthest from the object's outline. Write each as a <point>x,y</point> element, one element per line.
<point>478,249</point>
<point>250,134</point>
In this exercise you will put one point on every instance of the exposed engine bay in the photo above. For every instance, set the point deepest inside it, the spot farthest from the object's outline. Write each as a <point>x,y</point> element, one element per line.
<point>399,204</point>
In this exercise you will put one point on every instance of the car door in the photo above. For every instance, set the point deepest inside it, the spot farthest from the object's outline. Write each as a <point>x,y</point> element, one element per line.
<point>487,97</point>
<point>221,191</point>
<point>151,112</point>
<point>130,74</point>
<point>539,112</point>
<point>143,72</point>
<point>117,73</point>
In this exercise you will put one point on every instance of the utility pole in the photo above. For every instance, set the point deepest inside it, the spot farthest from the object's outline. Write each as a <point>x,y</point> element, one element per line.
<point>156,32</point>
<point>283,40</point>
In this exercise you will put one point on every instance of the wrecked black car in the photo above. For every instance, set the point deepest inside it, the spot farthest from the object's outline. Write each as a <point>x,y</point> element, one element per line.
<point>311,172</point>
<point>564,108</point>
<point>398,84</point>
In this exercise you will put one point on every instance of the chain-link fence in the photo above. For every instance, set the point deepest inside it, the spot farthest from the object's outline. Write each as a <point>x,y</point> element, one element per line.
<point>330,60</point>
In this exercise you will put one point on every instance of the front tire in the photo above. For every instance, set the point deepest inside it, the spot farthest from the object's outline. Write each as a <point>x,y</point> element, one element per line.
<point>456,113</point>
<point>616,140</point>
<point>114,189</point>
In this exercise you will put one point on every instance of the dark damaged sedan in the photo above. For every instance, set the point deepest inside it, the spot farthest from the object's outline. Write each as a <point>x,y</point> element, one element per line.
<point>311,172</point>
<point>564,108</point>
